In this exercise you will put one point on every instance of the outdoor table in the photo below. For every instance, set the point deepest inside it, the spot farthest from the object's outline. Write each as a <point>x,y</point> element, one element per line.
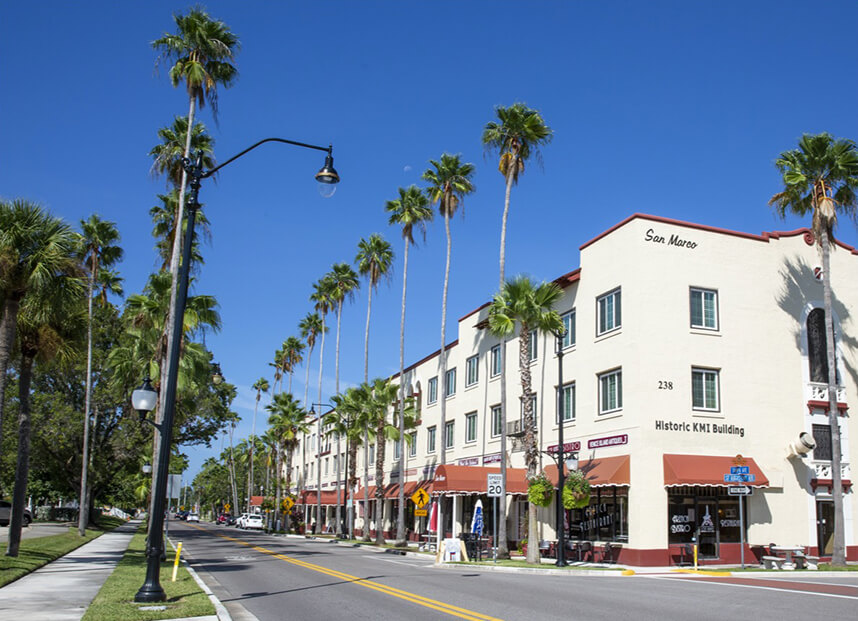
<point>787,552</point>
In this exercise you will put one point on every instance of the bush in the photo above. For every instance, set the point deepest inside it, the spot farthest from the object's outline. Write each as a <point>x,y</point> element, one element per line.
<point>56,514</point>
<point>540,490</point>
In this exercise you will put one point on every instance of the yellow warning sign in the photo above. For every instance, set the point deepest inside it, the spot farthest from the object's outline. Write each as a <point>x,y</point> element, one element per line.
<point>420,498</point>
<point>288,503</point>
<point>421,512</point>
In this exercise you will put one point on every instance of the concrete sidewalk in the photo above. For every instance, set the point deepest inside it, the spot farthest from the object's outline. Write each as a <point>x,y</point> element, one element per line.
<point>63,589</point>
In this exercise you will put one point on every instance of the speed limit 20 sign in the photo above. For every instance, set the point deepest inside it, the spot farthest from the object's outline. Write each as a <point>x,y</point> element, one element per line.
<point>494,485</point>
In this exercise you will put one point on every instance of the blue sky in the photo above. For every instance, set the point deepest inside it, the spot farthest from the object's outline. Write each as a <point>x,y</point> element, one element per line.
<point>671,108</point>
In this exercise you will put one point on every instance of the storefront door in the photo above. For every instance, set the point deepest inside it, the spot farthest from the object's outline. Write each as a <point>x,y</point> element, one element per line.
<point>707,516</point>
<point>825,526</point>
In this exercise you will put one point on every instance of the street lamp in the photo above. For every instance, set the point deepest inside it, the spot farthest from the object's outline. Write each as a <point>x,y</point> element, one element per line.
<point>144,399</point>
<point>561,475</point>
<point>151,591</point>
<point>319,465</point>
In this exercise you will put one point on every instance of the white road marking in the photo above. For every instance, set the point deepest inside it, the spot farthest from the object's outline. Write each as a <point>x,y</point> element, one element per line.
<point>390,560</point>
<point>765,588</point>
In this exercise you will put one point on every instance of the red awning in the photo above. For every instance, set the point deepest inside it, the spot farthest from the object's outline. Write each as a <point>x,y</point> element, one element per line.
<point>392,490</point>
<point>328,498</point>
<point>707,470</point>
<point>600,471</point>
<point>452,480</point>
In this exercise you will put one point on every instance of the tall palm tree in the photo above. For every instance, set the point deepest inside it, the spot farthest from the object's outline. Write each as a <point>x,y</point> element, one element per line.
<point>108,281</point>
<point>35,249</point>
<point>309,327</point>
<point>323,300</point>
<point>374,261</point>
<point>821,178</point>
<point>349,418</point>
<point>164,229</point>
<point>278,368</point>
<point>51,324</point>
<point>292,355</point>
<point>532,306</point>
<point>201,52</point>
<point>167,156</point>
<point>449,183</point>
<point>344,283</point>
<point>288,420</point>
<point>410,210</point>
<point>260,386</point>
<point>99,238</point>
<point>516,136</point>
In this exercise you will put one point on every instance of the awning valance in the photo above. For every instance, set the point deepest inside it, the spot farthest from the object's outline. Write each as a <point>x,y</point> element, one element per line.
<point>328,498</point>
<point>392,490</point>
<point>600,471</point>
<point>452,480</point>
<point>708,470</point>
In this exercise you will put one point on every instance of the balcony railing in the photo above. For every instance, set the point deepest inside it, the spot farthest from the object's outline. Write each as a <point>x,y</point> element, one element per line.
<point>819,392</point>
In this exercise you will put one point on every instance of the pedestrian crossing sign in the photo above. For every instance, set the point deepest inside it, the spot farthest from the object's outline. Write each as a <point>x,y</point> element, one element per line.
<point>420,498</point>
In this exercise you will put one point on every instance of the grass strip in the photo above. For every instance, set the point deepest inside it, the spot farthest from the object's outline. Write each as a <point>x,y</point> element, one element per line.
<point>115,600</point>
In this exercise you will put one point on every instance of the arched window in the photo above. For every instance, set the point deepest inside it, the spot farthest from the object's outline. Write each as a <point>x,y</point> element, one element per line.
<point>816,346</point>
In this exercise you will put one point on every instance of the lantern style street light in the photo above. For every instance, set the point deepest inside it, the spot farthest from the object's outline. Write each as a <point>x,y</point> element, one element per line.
<point>151,591</point>
<point>319,464</point>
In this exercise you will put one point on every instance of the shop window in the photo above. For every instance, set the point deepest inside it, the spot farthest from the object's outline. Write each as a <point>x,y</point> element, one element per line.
<point>705,515</point>
<point>605,519</point>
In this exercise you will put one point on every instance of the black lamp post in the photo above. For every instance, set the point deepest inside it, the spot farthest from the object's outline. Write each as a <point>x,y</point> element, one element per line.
<point>151,591</point>
<point>319,466</point>
<point>571,461</point>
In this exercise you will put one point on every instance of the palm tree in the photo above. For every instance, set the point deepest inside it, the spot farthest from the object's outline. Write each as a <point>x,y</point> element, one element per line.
<point>821,178</point>
<point>108,281</point>
<point>35,249</point>
<point>164,229</point>
<point>168,154</point>
<point>517,136</point>
<point>260,386</point>
<point>349,419</point>
<point>50,323</point>
<point>450,182</point>
<point>99,250</point>
<point>374,260</point>
<point>409,210</point>
<point>344,282</point>
<point>323,299</point>
<point>533,307</point>
<point>292,355</point>
<point>288,420</point>
<point>310,327</point>
<point>201,52</point>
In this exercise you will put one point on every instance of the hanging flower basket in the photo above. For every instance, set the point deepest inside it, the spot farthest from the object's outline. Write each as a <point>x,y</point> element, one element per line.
<point>540,490</point>
<point>576,491</point>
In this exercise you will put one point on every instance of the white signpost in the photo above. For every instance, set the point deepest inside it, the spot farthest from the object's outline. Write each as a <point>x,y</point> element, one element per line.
<point>494,489</point>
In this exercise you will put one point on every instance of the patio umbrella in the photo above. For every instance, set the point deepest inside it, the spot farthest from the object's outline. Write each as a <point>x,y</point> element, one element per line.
<point>477,520</point>
<point>433,517</point>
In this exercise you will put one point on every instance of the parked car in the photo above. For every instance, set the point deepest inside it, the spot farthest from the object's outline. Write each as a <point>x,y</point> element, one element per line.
<point>230,520</point>
<point>193,517</point>
<point>6,514</point>
<point>223,518</point>
<point>239,523</point>
<point>254,521</point>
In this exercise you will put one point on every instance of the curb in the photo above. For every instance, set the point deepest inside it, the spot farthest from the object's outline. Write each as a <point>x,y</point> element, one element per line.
<point>614,573</point>
<point>221,613</point>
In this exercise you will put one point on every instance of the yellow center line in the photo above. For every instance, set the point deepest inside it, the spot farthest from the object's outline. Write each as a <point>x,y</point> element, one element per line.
<point>414,598</point>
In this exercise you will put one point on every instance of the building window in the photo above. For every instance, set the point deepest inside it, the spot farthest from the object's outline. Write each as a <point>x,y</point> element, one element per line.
<point>471,427</point>
<point>372,453</point>
<point>448,434</point>
<point>497,421</point>
<point>497,361</point>
<point>430,439</point>
<point>611,391</point>
<point>822,437</point>
<point>450,384</point>
<point>704,309</point>
<point>433,390</point>
<point>610,311</point>
<point>569,324</point>
<point>704,389</point>
<point>568,402</point>
<point>397,448</point>
<point>817,348</point>
<point>412,449</point>
<point>532,346</point>
<point>326,466</point>
<point>472,371</point>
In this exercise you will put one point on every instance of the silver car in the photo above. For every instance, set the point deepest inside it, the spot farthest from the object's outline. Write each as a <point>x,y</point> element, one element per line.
<point>6,514</point>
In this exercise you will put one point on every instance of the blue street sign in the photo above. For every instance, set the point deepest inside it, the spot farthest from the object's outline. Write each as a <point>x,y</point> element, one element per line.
<point>740,470</point>
<point>740,478</point>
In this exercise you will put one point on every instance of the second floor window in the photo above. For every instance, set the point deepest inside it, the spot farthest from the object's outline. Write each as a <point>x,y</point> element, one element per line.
<point>472,371</point>
<point>430,439</point>
<point>496,361</point>
<point>433,390</point>
<point>610,311</point>
<point>497,421</point>
<point>450,386</point>
<point>448,434</point>
<point>533,346</point>
<point>397,448</point>
<point>412,448</point>
<point>569,324</point>
<point>568,407</point>
<point>471,427</point>
<point>822,437</point>
<point>704,389</point>
<point>610,391</point>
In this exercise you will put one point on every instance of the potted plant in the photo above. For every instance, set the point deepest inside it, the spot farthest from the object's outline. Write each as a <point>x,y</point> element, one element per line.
<point>576,491</point>
<point>540,490</point>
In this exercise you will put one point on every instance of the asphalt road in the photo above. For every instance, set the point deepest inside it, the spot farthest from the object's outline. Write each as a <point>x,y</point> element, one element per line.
<point>38,529</point>
<point>298,579</point>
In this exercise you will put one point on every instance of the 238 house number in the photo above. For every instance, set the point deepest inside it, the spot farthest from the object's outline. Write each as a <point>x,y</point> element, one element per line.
<point>665,385</point>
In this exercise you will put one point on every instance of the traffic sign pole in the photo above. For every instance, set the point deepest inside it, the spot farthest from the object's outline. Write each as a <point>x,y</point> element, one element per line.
<point>742,528</point>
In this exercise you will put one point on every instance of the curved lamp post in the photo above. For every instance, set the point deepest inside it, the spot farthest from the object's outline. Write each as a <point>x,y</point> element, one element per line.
<point>312,412</point>
<point>151,591</point>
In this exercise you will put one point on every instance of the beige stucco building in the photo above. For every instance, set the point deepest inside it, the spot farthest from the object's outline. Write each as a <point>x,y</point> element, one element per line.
<point>687,346</point>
